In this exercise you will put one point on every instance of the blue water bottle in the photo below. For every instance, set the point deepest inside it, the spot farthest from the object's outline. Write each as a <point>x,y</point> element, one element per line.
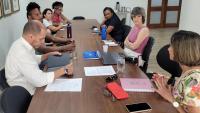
<point>103,32</point>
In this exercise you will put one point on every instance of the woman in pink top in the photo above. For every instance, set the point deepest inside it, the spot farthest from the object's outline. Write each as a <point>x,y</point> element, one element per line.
<point>139,34</point>
<point>57,16</point>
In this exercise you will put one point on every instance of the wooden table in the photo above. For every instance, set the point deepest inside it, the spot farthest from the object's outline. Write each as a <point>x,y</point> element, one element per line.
<point>91,98</point>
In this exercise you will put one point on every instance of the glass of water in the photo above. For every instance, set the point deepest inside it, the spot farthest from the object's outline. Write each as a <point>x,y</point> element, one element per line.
<point>120,64</point>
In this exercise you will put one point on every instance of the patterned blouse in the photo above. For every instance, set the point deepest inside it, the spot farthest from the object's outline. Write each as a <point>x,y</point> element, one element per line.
<point>187,89</point>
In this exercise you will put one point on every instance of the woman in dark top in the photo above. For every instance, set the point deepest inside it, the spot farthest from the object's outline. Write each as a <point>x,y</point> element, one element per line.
<point>113,24</point>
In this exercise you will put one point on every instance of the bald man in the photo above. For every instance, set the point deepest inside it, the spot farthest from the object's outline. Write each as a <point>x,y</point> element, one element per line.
<point>22,64</point>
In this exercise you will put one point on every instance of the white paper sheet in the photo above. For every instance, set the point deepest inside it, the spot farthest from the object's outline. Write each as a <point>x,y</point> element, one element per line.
<point>73,85</point>
<point>99,71</point>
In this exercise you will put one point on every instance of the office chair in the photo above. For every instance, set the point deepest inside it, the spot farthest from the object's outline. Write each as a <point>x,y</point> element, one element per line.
<point>78,18</point>
<point>146,53</point>
<point>3,83</point>
<point>123,21</point>
<point>15,99</point>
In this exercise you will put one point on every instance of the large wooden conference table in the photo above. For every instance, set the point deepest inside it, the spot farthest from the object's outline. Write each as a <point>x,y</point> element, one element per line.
<point>91,99</point>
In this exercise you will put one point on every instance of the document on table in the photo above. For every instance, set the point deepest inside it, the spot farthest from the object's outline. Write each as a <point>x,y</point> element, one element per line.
<point>73,85</point>
<point>99,71</point>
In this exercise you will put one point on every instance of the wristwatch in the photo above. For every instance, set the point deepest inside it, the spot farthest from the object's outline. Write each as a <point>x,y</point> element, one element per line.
<point>175,104</point>
<point>65,71</point>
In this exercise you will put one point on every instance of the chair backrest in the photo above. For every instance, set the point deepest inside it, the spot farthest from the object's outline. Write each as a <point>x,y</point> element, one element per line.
<point>123,21</point>
<point>3,83</point>
<point>15,99</point>
<point>126,30</point>
<point>146,53</point>
<point>78,18</point>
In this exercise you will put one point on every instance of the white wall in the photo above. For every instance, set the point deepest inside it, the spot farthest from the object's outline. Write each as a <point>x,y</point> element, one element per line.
<point>91,9</point>
<point>11,29</point>
<point>190,17</point>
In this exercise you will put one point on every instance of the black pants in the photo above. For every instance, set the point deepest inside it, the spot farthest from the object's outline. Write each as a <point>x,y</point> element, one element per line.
<point>165,63</point>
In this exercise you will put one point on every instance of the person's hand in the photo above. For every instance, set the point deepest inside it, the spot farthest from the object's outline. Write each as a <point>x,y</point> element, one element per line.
<point>68,47</point>
<point>163,89</point>
<point>69,68</point>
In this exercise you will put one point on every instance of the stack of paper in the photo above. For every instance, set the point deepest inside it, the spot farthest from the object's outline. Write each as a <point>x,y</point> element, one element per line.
<point>99,71</point>
<point>73,85</point>
<point>137,84</point>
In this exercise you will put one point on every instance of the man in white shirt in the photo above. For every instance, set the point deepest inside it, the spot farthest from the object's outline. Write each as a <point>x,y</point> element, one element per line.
<point>22,64</point>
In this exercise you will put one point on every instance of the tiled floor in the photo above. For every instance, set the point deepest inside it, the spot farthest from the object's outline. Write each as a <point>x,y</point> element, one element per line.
<point>162,37</point>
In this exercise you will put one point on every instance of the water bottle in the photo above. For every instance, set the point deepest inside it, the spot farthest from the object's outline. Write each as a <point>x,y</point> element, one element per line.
<point>69,31</point>
<point>103,33</point>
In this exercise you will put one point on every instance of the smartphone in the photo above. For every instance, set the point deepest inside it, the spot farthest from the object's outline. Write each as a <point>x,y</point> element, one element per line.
<point>139,107</point>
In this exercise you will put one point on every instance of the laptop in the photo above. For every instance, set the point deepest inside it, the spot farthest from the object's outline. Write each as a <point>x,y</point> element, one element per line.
<point>109,58</point>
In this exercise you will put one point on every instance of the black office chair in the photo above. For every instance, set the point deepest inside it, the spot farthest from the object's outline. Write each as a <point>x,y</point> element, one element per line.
<point>3,83</point>
<point>78,18</point>
<point>15,99</point>
<point>146,53</point>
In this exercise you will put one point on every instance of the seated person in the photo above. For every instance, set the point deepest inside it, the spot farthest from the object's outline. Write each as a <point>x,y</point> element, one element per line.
<point>57,16</point>
<point>33,13</point>
<point>47,21</point>
<point>22,64</point>
<point>184,49</point>
<point>113,24</point>
<point>139,34</point>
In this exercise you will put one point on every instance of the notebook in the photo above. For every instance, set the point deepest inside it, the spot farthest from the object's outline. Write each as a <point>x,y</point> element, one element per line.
<point>137,84</point>
<point>117,90</point>
<point>91,55</point>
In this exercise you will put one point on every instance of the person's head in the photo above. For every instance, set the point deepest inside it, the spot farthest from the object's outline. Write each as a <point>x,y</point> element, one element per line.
<point>185,48</point>
<point>57,7</point>
<point>138,15</point>
<point>108,12</point>
<point>47,13</point>
<point>33,11</point>
<point>34,33</point>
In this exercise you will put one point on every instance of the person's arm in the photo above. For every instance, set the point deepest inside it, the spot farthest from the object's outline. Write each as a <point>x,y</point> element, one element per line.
<point>54,29</point>
<point>65,19</point>
<point>37,77</point>
<point>165,91</point>
<point>66,70</point>
<point>109,29</point>
<point>46,49</point>
<point>51,38</point>
<point>144,33</point>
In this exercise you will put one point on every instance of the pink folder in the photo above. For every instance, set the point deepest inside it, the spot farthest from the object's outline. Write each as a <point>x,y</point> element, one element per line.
<point>137,84</point>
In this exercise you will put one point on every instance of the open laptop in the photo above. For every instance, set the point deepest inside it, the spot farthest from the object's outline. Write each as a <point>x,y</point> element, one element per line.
<point>109,58</point>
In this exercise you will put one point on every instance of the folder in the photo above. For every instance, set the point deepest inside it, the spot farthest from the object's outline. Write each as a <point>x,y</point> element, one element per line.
<point>117,90</point>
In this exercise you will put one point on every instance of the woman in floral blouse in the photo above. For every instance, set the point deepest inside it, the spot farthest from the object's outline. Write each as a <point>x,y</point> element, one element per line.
<point>185,95</point>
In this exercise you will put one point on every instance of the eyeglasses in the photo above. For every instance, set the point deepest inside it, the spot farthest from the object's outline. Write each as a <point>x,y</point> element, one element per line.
<point>111,78</point>
<point>107,93</point>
